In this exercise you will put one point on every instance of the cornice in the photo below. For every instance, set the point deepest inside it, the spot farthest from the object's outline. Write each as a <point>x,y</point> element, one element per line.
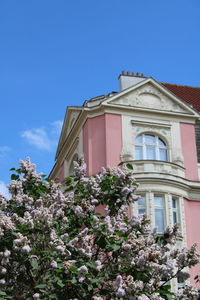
<point>186,188</point>
<point>174,115</point>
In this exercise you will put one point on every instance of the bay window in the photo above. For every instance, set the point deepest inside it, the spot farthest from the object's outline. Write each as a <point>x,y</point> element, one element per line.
<point>162,209</point>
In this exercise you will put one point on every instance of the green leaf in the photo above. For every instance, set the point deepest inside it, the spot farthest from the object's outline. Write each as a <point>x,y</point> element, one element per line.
<point>90,287</point>
<point>41,286</point>
<point>52,296</point>
<point>34,263</point>
<point>129,166</point>
<point>2,293</point>
<point>60,283</point>
<point>115,247</point>
<point>73,269</point>
<point>14,177</point>
<point>73,280</point>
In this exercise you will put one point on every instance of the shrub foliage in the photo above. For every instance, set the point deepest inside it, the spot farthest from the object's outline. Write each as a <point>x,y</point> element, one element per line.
<point>55,245</point>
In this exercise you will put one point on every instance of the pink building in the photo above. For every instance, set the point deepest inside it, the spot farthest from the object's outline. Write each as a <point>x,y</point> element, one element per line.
<point>154,126</point>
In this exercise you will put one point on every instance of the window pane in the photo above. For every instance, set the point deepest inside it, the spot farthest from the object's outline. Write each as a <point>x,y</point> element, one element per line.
<point>158,201</point>
<point>150,139</point>
<point>161,143</point>
<point>141,211</point>
<point>142,201</point>
<point>174,217</point>
<point>138,152</point>
<point>151,152</point>
<point>163,154</point>
<point>173,203</point>
<point>159,219</point>
<point>138,139</point>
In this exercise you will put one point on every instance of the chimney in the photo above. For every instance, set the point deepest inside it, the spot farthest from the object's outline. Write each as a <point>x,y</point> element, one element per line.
<point>128,79</point>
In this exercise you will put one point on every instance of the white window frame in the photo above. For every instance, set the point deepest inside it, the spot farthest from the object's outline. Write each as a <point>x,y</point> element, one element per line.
<point>155,145</point>
<point>175,210</point>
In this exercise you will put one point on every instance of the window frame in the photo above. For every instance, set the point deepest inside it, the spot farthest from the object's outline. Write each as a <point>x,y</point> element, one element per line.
<point>175,210</point>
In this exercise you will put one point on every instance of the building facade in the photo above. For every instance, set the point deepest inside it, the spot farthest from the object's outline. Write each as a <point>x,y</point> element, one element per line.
<point>155,127</point>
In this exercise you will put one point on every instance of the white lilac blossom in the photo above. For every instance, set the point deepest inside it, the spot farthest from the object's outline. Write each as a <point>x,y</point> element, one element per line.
<point>98,264</point>
<point>81,278</point>
<point>143,297</point>
<point>7,253</point>
<point>26,249</point>
<point>83,269</point>
<point>2,281</point>
<point>3,271</point>
<point>54,264</point>
<point>120,292</point>
<point>36,296</point>
<point>54,242</point>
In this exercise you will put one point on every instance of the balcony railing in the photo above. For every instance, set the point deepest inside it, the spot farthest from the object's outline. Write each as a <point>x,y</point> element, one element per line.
<point>157,166</point>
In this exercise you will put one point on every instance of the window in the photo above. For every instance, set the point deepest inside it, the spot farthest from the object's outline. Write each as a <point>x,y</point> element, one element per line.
<point>148,146</point>
<point>159,211</point>
<point>175,209</point>
<point>162,209</point>
<point>142,205</point>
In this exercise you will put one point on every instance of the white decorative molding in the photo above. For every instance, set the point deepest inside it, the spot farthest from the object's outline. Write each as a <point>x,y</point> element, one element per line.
<point>150,124</point>
<point>149,97</point>
<point>182,221</point>
<point>160,167</point>
<point>72,120</point>
<point>72,149</point>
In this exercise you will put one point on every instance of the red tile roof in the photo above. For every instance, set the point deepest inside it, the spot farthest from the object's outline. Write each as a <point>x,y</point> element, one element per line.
<point>189,94</point>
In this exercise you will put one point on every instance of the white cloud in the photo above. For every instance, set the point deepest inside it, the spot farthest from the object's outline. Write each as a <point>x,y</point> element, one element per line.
<point>38,138</point>
<point>57,126</point>
<point>4,189</point>
<point>43,138</point>
<point>4,150</point>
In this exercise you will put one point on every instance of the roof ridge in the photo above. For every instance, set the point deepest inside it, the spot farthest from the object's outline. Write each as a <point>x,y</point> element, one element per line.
<point>181,85</point>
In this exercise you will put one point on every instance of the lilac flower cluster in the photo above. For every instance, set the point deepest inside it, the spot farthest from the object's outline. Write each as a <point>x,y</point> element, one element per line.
<point>55,243</point>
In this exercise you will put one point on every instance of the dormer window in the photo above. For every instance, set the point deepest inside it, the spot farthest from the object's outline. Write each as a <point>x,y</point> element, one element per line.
<point>150,147</point>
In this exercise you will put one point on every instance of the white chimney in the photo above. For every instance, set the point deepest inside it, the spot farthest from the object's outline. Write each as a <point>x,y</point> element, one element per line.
<point>127,79</point>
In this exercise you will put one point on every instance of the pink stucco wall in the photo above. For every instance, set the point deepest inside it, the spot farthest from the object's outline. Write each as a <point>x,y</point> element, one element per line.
<point>188,142</point>
<point>94,144</point>
<point>102,142</point>
<point>113,131</point>
<point>192,213</point>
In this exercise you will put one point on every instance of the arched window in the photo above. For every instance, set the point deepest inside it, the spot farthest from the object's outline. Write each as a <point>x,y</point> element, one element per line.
<point>149,146</point>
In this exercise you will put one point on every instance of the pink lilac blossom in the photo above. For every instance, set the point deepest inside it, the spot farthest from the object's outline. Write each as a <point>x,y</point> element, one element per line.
<point>36,296</point>
<point>55,226</point>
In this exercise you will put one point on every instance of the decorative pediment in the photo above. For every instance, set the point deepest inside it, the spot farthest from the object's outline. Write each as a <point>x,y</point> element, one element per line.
<point>73,117</point>
<point>151,95</point>
<point>69,121</point>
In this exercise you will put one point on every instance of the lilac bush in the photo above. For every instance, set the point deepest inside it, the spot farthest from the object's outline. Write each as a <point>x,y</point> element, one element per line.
<point>55,245</point>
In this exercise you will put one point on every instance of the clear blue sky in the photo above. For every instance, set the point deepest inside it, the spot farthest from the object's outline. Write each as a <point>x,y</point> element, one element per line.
<point>59,53</point>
